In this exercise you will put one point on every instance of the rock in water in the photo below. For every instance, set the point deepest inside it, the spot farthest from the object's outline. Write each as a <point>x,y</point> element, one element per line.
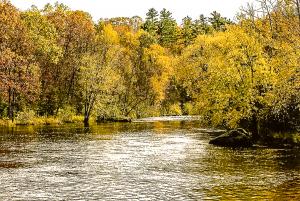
<point>234,138</point>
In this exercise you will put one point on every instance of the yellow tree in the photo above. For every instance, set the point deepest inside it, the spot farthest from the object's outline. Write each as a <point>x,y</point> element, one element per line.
<point>145,72</point>
<point>278,30</point>
<point>228,75</point>
<point>98,74</point>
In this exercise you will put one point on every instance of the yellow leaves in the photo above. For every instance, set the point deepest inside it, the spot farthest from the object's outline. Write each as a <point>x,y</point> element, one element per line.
<point>161,58</point>
<point>241,72</point>
<point>96,78</point>
<point>44,36</point>
<point>175,109</point>
<point>109,36</point>
<point>130,40</point>
<point>158,61</point>
<point>158,87</point>
<point>230,69</point>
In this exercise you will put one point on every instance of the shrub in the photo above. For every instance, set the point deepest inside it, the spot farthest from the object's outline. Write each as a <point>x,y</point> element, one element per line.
<point>175,109</point>
<point>26,117</point>
<point>66,115</point>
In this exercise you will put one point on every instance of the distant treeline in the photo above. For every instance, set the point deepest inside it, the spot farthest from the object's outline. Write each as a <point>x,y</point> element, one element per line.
<point>246,73</point>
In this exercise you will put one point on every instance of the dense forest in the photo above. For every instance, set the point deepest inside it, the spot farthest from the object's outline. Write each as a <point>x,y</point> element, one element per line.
<point>59,63</point>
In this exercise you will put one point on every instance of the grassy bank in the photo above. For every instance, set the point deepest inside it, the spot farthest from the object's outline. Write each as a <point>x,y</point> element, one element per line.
<point>52,120</point>
<point>28,119</point>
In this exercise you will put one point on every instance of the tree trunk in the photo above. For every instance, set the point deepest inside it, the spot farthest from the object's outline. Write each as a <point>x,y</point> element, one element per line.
<point>86,120</point>
<point>298,9</point>
<point>255,128</point>
<point>11,101</point>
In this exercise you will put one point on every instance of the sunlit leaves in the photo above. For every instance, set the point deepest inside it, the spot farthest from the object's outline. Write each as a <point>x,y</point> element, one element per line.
<point>227,72</point>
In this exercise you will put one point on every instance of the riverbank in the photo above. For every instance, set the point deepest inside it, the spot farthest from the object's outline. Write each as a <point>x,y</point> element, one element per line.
<point>273,140</point>
<point>28,120</point>
<point>36,121</point>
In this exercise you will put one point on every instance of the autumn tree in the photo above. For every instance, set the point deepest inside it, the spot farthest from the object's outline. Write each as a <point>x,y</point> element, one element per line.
<point>143,77</point>
<point>19,73</point>
<point>228,75</point>
<point>278,31</point>
<point>99,73</point>
<point>76,35</point>
<point>47,54</point>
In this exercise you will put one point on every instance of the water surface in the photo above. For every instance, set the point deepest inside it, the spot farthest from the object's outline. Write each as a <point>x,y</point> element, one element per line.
<point>153,159</point>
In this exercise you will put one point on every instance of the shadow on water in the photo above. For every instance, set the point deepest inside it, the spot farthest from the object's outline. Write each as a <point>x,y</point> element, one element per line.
<point>286,190</point>
<point>289,159</point>
<point>155,160</point>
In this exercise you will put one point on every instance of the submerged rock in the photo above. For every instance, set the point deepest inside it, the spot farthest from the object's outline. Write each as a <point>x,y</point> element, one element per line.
<point>234,138</point>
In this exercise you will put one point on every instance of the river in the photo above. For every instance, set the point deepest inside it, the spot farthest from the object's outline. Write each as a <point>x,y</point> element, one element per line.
<point>152,159</point>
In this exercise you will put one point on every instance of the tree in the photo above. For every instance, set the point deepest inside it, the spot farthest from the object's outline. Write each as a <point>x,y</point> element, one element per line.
<point>201,26</point>
<point>19,74</point>
<point>232,78</point>
<point>76,37</point>
<point>218,22</point>
<point>167,29</point>
<point>141,81</point>
<point>125,24</point>
<point>278,30</point>
<point>98,73</point>
<point>152,22</point>
<point>187,33</point>
<point>46,53</point>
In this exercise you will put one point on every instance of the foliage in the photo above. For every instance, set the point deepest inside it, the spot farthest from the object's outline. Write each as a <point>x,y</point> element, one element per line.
<point>66,115</point>
<point>244,76</point>
<point>98,77</point>
<point>26,117</point>
<point>57,63</point>
<point>19,73</point>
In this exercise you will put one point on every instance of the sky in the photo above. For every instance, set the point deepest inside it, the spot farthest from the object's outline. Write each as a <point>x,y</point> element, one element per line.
<point>128,8</point>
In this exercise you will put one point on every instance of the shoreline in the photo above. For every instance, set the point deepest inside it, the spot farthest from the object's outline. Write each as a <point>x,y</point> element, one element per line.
<point>274,140</point>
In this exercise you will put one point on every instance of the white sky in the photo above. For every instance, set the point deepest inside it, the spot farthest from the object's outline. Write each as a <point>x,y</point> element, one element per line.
<point>128,8</point>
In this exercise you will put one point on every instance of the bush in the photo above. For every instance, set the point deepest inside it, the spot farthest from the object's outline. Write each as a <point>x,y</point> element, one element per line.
<point>26,117</point>
<point>49,120</point>
<point>67,115</point>
<point>188,108</point>
<point>7,123</point>
<point>175,109</point>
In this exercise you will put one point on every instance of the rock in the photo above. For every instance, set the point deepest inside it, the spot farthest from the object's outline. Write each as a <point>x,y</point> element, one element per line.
<point>234,138</point>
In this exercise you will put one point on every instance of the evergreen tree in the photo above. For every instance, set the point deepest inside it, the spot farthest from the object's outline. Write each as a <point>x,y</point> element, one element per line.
<point>187,32</point>
<point>167,29</point>
<point>201,25</point>
<point>218,22</point>
<point>151,23</point>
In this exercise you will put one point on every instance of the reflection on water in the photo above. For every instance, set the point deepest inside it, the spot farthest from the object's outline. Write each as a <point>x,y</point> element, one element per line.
<point>156,160</point>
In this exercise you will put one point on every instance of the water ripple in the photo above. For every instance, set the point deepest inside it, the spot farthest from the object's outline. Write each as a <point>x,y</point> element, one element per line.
<point>140,161</point>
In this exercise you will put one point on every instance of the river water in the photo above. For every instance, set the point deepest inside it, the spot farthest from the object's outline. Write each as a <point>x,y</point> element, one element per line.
<point>153,159</point>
